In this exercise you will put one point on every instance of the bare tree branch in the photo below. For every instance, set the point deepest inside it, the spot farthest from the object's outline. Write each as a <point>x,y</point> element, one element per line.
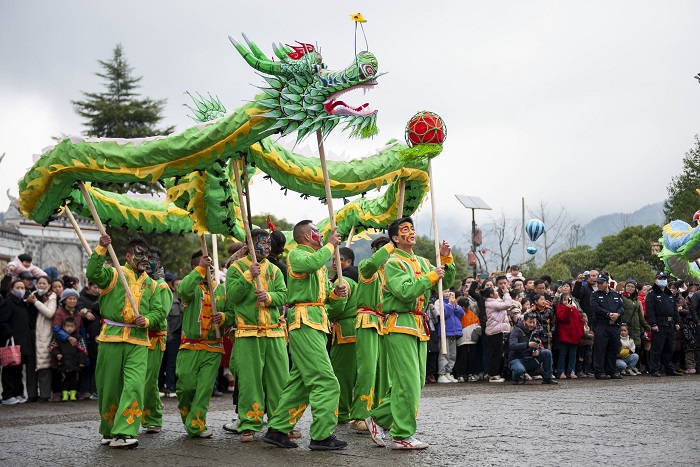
<point>556,226</point>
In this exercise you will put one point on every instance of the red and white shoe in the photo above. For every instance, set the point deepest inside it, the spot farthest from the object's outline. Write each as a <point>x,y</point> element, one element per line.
<point>376,432</point>
<point>408,443</point>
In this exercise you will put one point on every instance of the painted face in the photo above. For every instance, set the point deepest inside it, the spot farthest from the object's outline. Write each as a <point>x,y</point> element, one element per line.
<point>262,246</point>
<point>138,260</point>
<point>153,260</point>
<point>407,233</point>
<point>316,235</point>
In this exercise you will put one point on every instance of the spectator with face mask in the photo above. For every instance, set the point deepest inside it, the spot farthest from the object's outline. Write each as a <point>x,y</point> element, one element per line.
<point>14,323</point>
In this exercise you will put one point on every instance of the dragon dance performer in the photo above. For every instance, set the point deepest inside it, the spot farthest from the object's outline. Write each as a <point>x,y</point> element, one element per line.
<point>152,417</point>
<point>200,351</point>
<point>372,380</point>
<point>260,349</point>
<point>121,362</point>
<point>408,281</point>
<point>343,358</point>
<point>311,380</point>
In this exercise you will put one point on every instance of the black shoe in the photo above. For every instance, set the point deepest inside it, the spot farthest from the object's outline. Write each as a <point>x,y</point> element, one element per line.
<point>602,376</point>
<point>674,373</point>
<point>520,380</point>
<point>656,374</point>
<point>329,444</point>
<point>616,376</point>
<point>549,381</point>
<point>279,439</point>
<point>33,399</point>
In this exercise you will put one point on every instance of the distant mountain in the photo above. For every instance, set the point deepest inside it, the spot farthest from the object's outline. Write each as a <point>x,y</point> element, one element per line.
<point>611,224</point>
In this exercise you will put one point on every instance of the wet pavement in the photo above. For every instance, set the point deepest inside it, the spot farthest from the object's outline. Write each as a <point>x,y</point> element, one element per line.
<point>637,421</point>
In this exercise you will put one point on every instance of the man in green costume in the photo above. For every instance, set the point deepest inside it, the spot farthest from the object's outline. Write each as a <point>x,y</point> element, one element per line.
<point>121,362</point>
<point>343,357</point>
<point>200,350</point>
<point>152,417</point>
<point>260,349</point>
<point>372,380</point>
<point>311,380</point>
<point>408,281</point>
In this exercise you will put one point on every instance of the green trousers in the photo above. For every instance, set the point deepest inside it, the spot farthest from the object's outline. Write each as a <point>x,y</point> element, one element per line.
<point>399,408</point>
<point>344,362</point>
<point>311,381</point>
<point>152,405</point>
<point>262,365</point>
<point>372,381</point>
<point>196,372</point>
<point>119,377</point>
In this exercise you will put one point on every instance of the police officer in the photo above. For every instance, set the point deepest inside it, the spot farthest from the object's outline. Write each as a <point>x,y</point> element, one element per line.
<point>608,308</point>
<point>663,317</point>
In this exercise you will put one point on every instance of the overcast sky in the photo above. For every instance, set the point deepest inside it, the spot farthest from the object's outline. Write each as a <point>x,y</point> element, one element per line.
<point>588,104</point>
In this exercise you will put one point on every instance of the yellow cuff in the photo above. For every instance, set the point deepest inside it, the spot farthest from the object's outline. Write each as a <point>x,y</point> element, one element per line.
<point>330,246</point>
<point>248,276</point>
<point>202,271</point>
<point>333,295</point>
<point>269,300</point>
<point>148,322</point>
<point>389,247</point>
<point>101,250</point>
<point>432,275</point>
<point>446,260</point>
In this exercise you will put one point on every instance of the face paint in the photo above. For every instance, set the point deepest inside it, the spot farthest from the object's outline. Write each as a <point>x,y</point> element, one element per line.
<point>407,232</point>
<point>262,246</point>
<point>139,258</point>
<point>153,261</point>
<point>316,236</point>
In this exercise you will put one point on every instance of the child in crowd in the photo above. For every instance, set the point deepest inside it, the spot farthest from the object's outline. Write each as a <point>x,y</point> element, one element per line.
<point>626,358</point>
<point>453,331</point>
<point>23,263</point>
<point>583,353</point>
<point>690,346</point>
<point>465,366</point>
<point>70,360</point>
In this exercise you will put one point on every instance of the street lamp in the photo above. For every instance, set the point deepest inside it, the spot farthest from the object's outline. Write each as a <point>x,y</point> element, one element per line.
<point>473,203</point>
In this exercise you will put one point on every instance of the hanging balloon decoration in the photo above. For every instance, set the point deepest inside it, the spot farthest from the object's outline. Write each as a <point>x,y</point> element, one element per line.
<point>534,228</point>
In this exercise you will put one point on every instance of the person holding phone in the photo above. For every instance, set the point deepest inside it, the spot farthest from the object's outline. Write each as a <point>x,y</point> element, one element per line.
<point>570,326</point>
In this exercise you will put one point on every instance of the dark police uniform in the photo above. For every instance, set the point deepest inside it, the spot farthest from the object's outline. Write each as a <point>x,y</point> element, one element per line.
<point>606,342</point>
<point>662,311</point>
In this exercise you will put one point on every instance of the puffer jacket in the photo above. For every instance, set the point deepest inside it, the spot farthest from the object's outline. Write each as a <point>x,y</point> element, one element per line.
<point>453,314</point>
<point>470,322</point>
<point>497,320</point>
<point>44,333</point>
<point>569,324</point>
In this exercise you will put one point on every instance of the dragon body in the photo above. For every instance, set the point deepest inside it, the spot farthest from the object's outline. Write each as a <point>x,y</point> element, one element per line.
<point>302,96</point>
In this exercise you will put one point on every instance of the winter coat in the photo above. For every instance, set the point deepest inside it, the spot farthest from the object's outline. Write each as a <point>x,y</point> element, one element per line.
<point>59,317</point>
<point>661,307</point>
<point>92,328</point>
<point>470,322</point>
<point>634,317</point>
<point>44,332</point>
<point>569,324</point>
<point>519,343</point>
<point>627,347</point>
<point>453,314</point>
<point>14,322</point>
<point>497,320</point>
<point>72,357</point>
<point>36,271</point>
<point>476,295</point>
<point>545,323</point>
<point>583,291</point>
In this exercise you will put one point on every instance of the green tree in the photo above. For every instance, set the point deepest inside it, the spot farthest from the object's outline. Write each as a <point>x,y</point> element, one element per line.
<point>119,112</point>
<point>637,270</point>
<point>682,200</point>
<point>631,244</point>
<point>574,260</point>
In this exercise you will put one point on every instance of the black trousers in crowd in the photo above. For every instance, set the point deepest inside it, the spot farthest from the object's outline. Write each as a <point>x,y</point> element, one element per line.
<point>465,364</point>
<point>70,380</point>
<point>606,344</point>
<point>495,346</point>
<point>12,385</point>
<point>662,348</point>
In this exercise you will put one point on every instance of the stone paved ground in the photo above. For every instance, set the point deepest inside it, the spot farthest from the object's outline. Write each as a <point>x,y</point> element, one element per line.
<point>636,421</point>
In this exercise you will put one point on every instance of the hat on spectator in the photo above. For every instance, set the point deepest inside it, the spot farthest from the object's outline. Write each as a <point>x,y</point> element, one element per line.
<point>25,275</point>
<point>602,278</point>
<point>69,293</point>
<point>661,274</point>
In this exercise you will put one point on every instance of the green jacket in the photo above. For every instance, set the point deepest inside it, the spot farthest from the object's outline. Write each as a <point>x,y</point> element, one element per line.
<point>115,307</point>
<point>308,288</point>
<point>253,320</point>
<point>406,291</point>
<point>369,289</point>
<point>344,317</point>
<point>197,331</point>
<point>166,299</point>
<point>634,317</point>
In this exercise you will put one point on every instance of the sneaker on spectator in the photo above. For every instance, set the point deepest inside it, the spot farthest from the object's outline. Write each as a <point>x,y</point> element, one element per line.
<point>443,379</point>
<point>528,377</point>
<point>581,374</point>
<point>161,394</point>
<point>94,396</point>
<point>21,399</point>
<point>538,377</point>
<point>430,379</point>
<point>409,443</point>
<point>451,378</point>
<point>10,401</point>
<point>473,378</point>
<point>493,379</point>
<point>460,379</point>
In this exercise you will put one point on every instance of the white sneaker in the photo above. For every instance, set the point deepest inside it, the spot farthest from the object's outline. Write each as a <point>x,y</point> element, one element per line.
<point>452,378</point>
<point>21,399</point>
<point>473,378</point>
<point>443,379</point>
<point>538,377</point>
<point>205,434</point>
<point>123,442</point>
<point>460,379</point>
<point>231,427</point>
<point>105,441</point>
<point>376,432</point>
<point>496,379</point>
<point>408,443</point>
<point>11,401</point>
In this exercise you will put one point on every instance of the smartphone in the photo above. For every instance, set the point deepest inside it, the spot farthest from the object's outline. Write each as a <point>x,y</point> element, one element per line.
<point>560,283</point>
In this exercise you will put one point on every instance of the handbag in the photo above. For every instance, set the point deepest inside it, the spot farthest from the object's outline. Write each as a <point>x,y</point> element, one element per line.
<point>11,354</point>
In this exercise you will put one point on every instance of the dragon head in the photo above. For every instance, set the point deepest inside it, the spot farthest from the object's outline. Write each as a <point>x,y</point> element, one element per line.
<point>304,96</point>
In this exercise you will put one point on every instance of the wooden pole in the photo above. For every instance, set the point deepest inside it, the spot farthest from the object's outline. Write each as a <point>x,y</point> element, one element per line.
<point>244,216</point>
<point>215,250</point>
<point>402,195</point>
<point>329,200</point>
<point>78,231</point>
<point>110,250</point>
<point>350,235</point>
<point>247,187</point>
<point>210,283</point>
<point>438,262</point>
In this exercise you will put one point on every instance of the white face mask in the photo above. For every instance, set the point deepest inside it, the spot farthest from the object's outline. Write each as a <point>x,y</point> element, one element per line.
<point>662,283</point>
<point>41,291</point>
<point>18,293</point>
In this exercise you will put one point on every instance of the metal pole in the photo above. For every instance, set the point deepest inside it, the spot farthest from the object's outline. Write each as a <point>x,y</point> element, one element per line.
<point>474,240</point>
<point>522,229</point>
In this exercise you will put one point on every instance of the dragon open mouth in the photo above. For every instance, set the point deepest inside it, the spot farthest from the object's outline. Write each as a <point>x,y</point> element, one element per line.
<point>333,106</point>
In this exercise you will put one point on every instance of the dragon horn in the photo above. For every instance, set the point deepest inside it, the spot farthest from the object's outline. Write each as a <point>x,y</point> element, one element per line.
<point>254,48</point>
<point>264,65</point>
<point>279,51</point>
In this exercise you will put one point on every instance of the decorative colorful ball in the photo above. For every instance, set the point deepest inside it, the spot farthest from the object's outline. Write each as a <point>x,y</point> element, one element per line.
<point>696,217</point>
<point>425,128</point>
<point>531,250</point>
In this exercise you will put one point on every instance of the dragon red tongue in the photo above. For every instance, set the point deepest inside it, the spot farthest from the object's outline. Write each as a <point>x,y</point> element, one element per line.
<point>332,105</point>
